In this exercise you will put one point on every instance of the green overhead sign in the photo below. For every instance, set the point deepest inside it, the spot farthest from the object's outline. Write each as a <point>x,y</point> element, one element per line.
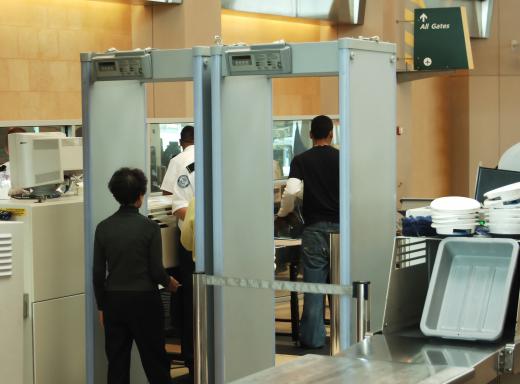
<point>441,39</point>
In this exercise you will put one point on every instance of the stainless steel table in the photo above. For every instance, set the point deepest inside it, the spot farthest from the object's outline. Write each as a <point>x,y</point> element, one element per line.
<point>311,369</point>
<point>413,348</point>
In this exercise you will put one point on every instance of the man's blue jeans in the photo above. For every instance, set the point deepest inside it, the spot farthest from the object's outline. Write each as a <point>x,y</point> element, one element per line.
<point>315,261</point>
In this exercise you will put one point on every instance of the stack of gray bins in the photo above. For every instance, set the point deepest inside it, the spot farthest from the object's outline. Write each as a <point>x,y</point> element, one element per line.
<point>469,288</point>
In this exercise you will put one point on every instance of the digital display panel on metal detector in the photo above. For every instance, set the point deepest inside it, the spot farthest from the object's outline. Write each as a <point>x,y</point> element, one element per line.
<point>107,66</point>
<point>257,61</point>
<point>242,60</point>
<point>125,65</point>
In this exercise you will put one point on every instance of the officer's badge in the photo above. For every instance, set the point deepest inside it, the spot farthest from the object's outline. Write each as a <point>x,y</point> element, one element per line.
<point>183,181</point>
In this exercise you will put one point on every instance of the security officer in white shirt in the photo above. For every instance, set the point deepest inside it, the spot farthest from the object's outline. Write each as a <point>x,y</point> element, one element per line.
<point>179,181</point>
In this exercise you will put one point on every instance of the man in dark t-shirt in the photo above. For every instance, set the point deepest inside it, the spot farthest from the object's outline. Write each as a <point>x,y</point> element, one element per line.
<point>316,171</point>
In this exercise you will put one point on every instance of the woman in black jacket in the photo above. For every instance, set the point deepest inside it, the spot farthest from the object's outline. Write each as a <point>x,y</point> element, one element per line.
<point>126,273</point>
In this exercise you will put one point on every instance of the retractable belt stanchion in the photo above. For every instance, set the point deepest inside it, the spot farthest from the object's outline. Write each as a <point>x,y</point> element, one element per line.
<point>201,281</point>
<point>335,345</point>
<point>361,291</point>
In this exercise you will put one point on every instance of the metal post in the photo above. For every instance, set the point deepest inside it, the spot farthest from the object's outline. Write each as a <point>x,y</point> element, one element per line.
<point>90,306</point>
<point>345,176</point>
<point>199,329</point>
<point>334,300</point>
<point>360,311</point>
<point>367,307</point>
<point>361,291</point>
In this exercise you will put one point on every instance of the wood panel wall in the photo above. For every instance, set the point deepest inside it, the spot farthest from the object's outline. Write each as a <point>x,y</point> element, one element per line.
<point>450,123</point>
<point>495,90</point>
<point>40,42</point>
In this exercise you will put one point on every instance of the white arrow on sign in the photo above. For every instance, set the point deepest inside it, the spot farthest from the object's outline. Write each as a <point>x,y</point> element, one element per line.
<point>423,17</point>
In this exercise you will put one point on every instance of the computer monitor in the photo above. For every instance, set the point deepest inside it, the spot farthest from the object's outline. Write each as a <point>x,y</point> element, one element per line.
<point>490,178</point>
<point>35,160</point>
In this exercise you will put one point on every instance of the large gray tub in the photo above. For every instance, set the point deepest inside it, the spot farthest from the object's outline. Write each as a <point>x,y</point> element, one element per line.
<point>469,288</point>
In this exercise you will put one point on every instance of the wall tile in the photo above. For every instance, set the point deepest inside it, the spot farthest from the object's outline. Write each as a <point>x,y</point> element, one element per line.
<point>237,27</point>
<point>10,106</point>
<point>74,76</point>
<point>404,142</point>
<point>57,17</point>
<point>4,80</point>
<point>49,107</point>
<point>509,30</point>
<point>8,42</point>
<point>57,71</point>
<point>48,44</point>
<point>38,75</point>
<point>18,74</point>
<point>69,105</point>
<point>28,43</point>
<point>169,100</point>
<point>30,105</point>
<point>484,124</point>
<point>150,105</point>
<point>68,44</point>
<point>329,92</point>
<point>298,96</point>
<point>204,12</point>
<point>24,12</point>
<point>87,41</point>
<point>457,90</point>
<point>430,176</point>
<point>142,26</point>
<point>75,17</point>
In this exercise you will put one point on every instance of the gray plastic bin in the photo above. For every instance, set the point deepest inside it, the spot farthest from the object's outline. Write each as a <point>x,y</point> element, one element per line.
<point>469,288</point>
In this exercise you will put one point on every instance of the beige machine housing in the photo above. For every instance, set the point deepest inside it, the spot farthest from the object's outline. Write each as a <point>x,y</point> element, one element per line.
<point>54,289</point>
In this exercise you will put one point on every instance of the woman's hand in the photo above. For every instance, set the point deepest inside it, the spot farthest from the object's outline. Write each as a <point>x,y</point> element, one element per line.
<point>101,318</point>
<point>174,285</point>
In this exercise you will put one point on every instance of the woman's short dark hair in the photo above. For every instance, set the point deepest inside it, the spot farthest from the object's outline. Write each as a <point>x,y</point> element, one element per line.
<point>321,126</point>
<point>127,184</point>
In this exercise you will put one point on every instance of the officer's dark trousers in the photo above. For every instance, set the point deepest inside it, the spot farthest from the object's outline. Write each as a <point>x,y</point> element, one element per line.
<point>135,316</point>
<point>187,266</point>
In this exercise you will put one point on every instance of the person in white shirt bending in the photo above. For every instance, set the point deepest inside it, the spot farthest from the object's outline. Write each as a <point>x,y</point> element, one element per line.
<point>179,181</point>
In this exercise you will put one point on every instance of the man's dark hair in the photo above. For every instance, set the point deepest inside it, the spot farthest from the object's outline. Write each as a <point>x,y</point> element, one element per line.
<point>321,126</point>
<point>127,184</point>
<point>188,134</point>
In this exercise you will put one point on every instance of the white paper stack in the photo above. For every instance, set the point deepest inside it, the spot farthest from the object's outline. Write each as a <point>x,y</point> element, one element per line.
<point>455,215</point>
<point>502,210</point>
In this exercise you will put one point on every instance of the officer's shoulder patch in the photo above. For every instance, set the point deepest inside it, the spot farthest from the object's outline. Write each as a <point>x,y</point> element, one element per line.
<point>183,181</point>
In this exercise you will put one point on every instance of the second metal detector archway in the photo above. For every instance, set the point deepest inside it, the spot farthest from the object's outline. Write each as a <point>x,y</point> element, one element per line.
<point>242,197</point>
